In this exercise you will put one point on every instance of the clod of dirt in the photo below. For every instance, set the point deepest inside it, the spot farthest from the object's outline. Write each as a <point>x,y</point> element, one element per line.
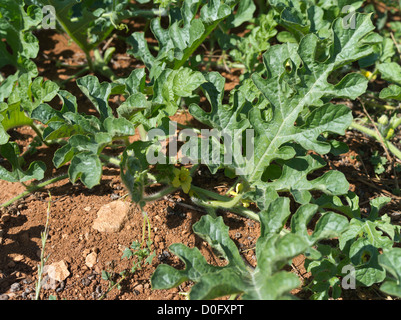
<point>112,216</point>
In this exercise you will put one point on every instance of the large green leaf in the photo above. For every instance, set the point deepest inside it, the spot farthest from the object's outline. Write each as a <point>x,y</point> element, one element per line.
<point>297,100</point>
<point>20,44</point>
<point>274,250</point>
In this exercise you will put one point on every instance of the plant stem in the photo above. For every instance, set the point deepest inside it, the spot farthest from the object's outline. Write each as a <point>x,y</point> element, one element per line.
<point>210,194</point>
<point>123,276</point>
<point>33,188</point>
<point>142,132</point>
<point>109,159</point>
<point>43,260</point>
<point>245,213</point>
<point>159,194</point>
<point>39,134</point>
<point>392,148</point>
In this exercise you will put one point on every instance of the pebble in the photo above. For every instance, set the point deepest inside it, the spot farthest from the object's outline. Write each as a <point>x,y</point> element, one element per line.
<point>250,224</point>
<point>86,282</point>
<point>163,256</point>
<point>114,196</point>
<point>28,290</point>
<point>139,288</point>
<point>3,297</point>
<point>15,287</point>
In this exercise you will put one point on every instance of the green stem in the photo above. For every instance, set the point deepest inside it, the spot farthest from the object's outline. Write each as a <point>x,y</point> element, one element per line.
<point>32,188</point>
<point>142,132</point>
<point>392,148</point>
<point>43,260</point>
<point>109,159</point>
<point>210,194</point>
<point>245,213</point>
<point>39,134</point>
<point>123,276</point>
<point>76,75</point>
<point>159,194</point>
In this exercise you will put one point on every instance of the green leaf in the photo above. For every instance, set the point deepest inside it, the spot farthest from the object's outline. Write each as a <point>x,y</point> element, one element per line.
<point>391,72</point>
<point>87,167</point>
<point>189,26</point>
<point>36,169</point>
<point>20,45</point>
<point>365,257</point>
<point>273,252</point>
<point>330,225</point>
<point>296,104</point>
<point>391,261</point>
<point>99,93</point>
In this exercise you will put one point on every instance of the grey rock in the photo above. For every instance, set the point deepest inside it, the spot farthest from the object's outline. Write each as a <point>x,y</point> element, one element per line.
<point>15,287</point>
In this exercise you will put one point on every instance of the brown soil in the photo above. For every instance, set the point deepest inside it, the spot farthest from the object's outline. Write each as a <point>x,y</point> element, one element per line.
<point>74,208</point>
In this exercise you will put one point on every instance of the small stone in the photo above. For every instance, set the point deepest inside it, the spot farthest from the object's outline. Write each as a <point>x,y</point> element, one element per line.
<point>28,290</point>
<point>111,217</point>
<point>87,209</point>
<point>114,196</point>
<point>47,283</point>
<point>139,288</point>
<point>15,287</point>
<point>250,224</point>
<point>58,271</point>
<point>163,256</point>
<point>91,259</point>
<point>18,257</point>
<point>3,297</point>
<point>86,282</point>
